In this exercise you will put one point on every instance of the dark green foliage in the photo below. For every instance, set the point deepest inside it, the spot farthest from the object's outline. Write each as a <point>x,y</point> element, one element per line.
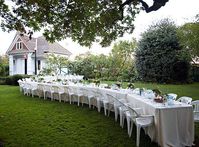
<point>12,80</point>
<point>119,65</point>
<point>195,73</point>
<point>85,21</point>
<point>4,67</point>
<point>159,57</point>
<point>4,70</point>
<point>189,36</point>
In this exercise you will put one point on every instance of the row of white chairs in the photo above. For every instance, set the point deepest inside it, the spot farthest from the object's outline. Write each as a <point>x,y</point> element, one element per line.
<point>96,98</point>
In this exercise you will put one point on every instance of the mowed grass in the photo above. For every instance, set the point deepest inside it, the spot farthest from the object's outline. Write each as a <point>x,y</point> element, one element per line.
<point>27,121</point>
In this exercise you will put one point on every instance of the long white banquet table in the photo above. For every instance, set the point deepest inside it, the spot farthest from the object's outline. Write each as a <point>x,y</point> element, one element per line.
<point>174,125</point>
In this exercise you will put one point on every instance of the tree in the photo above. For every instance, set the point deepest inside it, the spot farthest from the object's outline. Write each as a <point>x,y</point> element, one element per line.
<point>117,66</point>
<point>4,66</point>
<point>54,64</point>
<point>121,57</point>
<point>84,21</point>
<point>159,57</point>
<point>189,36</point>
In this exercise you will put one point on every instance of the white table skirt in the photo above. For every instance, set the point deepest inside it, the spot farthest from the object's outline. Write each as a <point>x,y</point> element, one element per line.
<point>174,125</point>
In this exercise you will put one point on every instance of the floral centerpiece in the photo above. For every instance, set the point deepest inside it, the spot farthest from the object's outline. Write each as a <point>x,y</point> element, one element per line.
<point>118,84</point>
<point>159,96</point>
<point>97,82</point>
<point>130,86</point>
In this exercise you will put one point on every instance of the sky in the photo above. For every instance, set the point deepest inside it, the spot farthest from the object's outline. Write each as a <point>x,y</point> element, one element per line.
<point>180,11</point>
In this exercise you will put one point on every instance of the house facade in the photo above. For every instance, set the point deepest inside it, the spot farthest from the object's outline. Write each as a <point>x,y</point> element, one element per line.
<point>28,56</point>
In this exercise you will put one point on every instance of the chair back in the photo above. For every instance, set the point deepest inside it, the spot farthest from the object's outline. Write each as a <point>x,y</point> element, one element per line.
<point>66,89</point>
<point>55,89</point>
<point>103,85</point>
<point>136,91</point>
<point>40,87</point>
<point>134,112</point>
<point>185,99</point>
<point>195,105</point>
<point>111,98</point>
<point>47,87</point>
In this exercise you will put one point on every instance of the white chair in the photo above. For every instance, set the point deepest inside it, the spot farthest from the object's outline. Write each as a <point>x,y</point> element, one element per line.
<point>55,91</point>
<point>47,91</point>
<point>185,99</point>
<point>66,92</point>
<point>27,89</point>
<point>111,105</point>
<point>98,97</point>
<point>113,102</point>
<point>136,91</point>
<point>71,93</point>
<point>33,88</point>
<point>141,121</point>
<point>79,93</point>
<point>88,95</point>
<point>40,90</point>
<point>122,111</point>
<point>195,105</point>
<point>103,85</point>
<point>173,95</point>
<point>21,85</point>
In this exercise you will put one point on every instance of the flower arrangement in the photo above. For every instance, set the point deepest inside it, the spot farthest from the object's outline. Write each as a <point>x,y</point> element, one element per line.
<point>130,86</point>
<point>40,79</point>
<point>157,92</point>
<point>59,80</point>
<point>159,96</point>
<point>97,82</point>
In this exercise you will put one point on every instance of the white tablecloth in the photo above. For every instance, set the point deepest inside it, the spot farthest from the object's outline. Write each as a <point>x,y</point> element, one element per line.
<point>174,125</point>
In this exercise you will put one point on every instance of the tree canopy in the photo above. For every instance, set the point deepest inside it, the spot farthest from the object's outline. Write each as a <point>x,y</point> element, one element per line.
<point>159,56</point>
<point>85,21</point>
<point>189,36</point>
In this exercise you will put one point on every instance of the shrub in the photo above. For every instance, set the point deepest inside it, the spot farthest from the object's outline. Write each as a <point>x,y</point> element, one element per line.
<point>195,73</point>
<point>159,57</point>
<point>12,80</point>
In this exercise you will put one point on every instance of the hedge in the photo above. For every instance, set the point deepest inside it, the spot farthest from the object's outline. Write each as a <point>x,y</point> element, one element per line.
<point>12,80</point>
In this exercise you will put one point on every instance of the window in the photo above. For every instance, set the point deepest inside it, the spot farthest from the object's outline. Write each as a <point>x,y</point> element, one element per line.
<point>14,62</point>
<point>39,65</point>
<point>19,45</point>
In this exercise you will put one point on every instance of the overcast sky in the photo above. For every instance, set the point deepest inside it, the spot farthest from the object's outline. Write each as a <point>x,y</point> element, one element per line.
<point>180,11</point>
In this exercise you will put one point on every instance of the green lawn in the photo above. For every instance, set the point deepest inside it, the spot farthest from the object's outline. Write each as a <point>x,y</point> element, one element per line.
<point>27,121</point>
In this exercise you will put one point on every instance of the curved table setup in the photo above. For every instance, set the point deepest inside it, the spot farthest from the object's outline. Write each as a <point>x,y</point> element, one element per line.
<point>173,125</point>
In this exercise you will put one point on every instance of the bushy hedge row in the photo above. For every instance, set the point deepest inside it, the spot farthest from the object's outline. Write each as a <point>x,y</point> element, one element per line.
<point>12,80</point>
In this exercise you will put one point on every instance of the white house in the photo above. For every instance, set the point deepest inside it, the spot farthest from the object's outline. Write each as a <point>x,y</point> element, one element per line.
<point>25,53</point>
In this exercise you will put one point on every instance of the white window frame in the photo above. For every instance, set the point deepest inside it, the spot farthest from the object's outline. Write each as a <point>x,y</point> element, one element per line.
<point>19,45</point>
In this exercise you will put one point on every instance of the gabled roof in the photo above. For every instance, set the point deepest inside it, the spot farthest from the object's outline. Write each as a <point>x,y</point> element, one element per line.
<point>43,46</point>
